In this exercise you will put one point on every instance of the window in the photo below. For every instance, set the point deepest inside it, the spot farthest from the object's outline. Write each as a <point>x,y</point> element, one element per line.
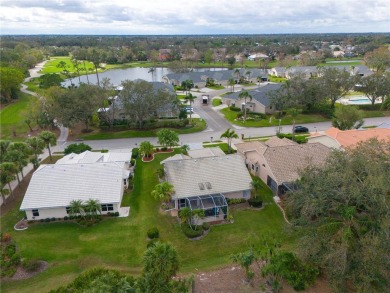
<point>67,210</point>
<point>35,213</point>
<point>107,207</point>
<point>124,181</point>
<point>253,167</point>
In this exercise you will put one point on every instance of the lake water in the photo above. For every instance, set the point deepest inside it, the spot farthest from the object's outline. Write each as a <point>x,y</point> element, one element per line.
<point>116,76</point>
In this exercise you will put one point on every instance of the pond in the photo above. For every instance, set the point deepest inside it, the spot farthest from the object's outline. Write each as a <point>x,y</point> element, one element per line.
<point>116,76</point>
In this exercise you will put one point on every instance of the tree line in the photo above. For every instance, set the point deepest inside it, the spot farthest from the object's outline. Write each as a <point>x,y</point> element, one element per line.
<point>14,156</point>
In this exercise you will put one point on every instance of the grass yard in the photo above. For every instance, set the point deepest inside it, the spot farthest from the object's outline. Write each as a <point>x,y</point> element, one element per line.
<point>119,243</point>
<point>223,146</point>
<point>12,118</point>
<point>286,120</point>
<point>216,87</point>
<point>51,66</point>
<point>216,102</point>
<point>198,125</point>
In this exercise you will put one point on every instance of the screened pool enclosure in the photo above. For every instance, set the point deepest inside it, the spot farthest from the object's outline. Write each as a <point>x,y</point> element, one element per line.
<point>214,206</point>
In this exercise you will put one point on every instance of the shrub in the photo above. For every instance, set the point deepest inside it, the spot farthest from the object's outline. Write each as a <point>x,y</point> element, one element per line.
<point>234,108</point>
<point>297,138</point>
<point>9,272</point>
<point>53,219</point>
<point>41,220</point>
<point>164,149</point>
<point>205,226</point>
<point>153,233</point>
<point>47,220</point>
<point>235,200</point>
<point>66,218</point>
<point>30,265</point>
<point>152,242</point>
<point>255,202</point>
<point>190,233</point>
<point>15,260</point>
<point>77,148</point>
<point>116,214</point>
<point>10,250</point>
<point>134,153</point>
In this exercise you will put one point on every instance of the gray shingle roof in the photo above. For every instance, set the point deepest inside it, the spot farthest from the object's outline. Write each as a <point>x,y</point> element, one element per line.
<point>260,94</point>
<point>206,152</point>
<point>225,174</point>
<point>57,185</point>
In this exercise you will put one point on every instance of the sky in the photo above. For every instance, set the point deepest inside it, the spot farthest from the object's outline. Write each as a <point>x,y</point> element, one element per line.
<point>180,17</point>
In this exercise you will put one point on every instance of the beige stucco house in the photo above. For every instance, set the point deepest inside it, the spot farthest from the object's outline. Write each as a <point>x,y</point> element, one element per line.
<point>278,162</point>
<point>206,182</point>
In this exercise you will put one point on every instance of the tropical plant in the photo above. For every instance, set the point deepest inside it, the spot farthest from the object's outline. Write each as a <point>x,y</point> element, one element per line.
<point>161,263</point>
<point>229,134</point>
<point>7,174</point>
<point>49,139</point>
<point>167,138</point>
<point>163,191</point>
<point>197,214</point>
<point>294,113</point>
<point>187,85</point>
<point>23,154</point>
<point>92,207</point>
<point>35,146</point>
<point>231,83</point>
<point>146,148</point>
<point>185,148</point>
<point>245,260</point>
<point>237,73</point>
<point>185,216</point>
<point>76,207</point>
<point>245,95</point>
<point>191,99</point>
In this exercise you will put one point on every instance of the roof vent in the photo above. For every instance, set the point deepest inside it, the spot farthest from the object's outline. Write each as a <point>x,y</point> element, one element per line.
<point>208,185</point>
<point>201,186</point>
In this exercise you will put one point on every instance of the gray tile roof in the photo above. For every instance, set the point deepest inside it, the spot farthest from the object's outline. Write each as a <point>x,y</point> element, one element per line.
<point>206,152</point>
<point>260,94</point>
<point>58,184</point>
<point>225,174</point>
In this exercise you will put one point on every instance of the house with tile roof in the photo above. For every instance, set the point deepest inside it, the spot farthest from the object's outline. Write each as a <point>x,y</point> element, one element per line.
<point>261,99</point>
<point>77,177</point>
<point>206,182</point>
<point>342,139</point>
<point>277,162</point>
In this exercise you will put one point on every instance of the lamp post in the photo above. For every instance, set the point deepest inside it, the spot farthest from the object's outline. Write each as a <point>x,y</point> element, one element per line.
<point>211,139</point>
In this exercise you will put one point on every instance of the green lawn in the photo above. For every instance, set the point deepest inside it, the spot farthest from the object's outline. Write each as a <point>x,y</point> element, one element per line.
<point>216,102</point>
<point>286,120</point>
<point>223,146</point>
<point>12,118</point>
<point>216,87</point>
<point>120,242</point>
<point>51,66</point>
<point>198,125</point>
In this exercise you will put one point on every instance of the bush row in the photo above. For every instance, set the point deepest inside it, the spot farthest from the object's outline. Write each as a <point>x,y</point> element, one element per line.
<point>297,138</point>
<point>255,202</point>
<point>231,201</point>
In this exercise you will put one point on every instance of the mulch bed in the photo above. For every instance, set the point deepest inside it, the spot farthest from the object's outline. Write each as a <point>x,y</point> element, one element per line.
<point>22,274</point>
<point>148,159</point>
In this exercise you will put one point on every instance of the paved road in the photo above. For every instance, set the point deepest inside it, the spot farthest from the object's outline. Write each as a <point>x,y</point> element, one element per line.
<point>206,135</point>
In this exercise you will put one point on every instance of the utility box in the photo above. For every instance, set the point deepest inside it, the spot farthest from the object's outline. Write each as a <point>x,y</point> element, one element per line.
<point>205,99</point>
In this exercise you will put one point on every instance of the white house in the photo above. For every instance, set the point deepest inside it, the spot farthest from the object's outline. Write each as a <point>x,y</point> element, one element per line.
<point>53,187</point>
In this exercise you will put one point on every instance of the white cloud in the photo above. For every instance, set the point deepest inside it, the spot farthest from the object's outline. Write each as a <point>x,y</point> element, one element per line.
<point>192,17</point>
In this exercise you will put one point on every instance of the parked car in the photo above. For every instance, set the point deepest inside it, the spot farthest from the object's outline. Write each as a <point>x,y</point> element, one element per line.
<point>189,109</point>
<point>300,129</point>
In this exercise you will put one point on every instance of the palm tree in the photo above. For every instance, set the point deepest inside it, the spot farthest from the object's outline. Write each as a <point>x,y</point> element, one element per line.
<point>191,99</point>
<point>229,134</point>
<point>161,262</point>
<point>3,191</point>
<point>163,191</point>
<point>35,146</point>
<point>245,95</point>
<point>248,73</point>
<point>76,207</point>
<point>86,71</point>
<point>185,216</point>
<point>146,148</point>
<point>4,145</point>
<point>17,158</point>
<point>237,73</point>
<point>92,207</point>
<point>185,148</point>
<point>49,138</point>
<point>231,83</point>
<point>76,65</point>
<point>7,174</point>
